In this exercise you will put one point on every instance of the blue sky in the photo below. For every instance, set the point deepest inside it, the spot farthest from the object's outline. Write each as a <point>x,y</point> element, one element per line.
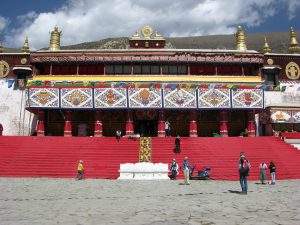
<point>92,20</point>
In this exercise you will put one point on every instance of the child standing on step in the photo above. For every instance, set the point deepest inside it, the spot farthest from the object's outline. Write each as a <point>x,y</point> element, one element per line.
<point>80,170</point>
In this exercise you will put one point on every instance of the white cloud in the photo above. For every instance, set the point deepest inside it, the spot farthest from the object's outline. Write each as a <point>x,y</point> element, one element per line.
<point>293,7</point>
<point>3,23</point>
<point>91,20</point>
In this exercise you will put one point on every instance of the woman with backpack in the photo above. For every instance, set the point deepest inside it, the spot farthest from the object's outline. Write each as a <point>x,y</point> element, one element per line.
<point>244,167</point>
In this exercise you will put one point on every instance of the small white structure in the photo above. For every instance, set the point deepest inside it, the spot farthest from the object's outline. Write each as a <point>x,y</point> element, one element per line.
<point>144,171</point>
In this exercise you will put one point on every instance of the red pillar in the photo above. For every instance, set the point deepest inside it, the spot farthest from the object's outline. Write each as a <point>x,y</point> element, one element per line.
<point>129,122</point>
<point>68,125</point>
<point>224,123</point>
<point>41,126</point>
<point>251,126</point>
<point>98,124</point>
<point>193,124</point>
<point>161,124</point>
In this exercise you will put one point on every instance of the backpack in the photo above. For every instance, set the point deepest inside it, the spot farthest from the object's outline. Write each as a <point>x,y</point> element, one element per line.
<point>245,167</point>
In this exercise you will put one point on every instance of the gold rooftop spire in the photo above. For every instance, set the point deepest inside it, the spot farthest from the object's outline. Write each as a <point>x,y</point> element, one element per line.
<point>266,48</point>
<point>1,49</point>
<point>55,39</point>
<point>136,35</point>
<point>240,39</point>
<point>25,48</point>
<point>294,46</point>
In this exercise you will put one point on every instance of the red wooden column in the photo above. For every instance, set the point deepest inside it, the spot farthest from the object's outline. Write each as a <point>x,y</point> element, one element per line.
<point>98,124</point>
<point>193,124</point>
<point>161,124</point>
<point>41,126</point>
<point>224,123</point>
<point>68,125</point>
<point>251,126</point>
<point>129,122</point>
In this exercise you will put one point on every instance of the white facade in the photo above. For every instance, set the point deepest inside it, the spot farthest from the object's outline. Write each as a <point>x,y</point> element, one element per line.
<point>15,119</point>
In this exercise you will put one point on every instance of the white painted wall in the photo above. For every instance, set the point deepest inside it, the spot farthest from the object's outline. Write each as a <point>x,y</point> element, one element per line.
<point>16,120</point>
<point>284,99</point>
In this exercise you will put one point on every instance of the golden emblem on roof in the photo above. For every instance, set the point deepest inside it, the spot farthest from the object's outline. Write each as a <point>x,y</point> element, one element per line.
<point>292,71</point>
<point>4,69</point>
<point>147,31</point>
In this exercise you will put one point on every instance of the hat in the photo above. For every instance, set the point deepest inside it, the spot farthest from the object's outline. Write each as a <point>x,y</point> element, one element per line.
<point>174,159</point>
<point>80,161</point>
<point>185,157</point>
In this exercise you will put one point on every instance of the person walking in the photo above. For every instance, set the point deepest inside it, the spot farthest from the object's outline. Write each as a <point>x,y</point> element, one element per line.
<point>174,169</point>
<point>80,170</point>
<point>177,145</point>
<point>263,172</point>
<point>118,135</point>
<point>167,128</point>
<point>272,171</point>
<point>186,170</point>
<point>1,129</point>
<point>244,168</point>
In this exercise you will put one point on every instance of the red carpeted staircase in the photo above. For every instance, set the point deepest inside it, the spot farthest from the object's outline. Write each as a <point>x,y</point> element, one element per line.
<point>222,154</point>
<point>58,156</point>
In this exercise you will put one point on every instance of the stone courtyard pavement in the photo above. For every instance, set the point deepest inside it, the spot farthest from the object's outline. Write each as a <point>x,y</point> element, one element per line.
<point>42,201</point>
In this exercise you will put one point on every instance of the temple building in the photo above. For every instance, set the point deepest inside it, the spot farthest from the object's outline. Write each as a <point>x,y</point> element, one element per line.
<point>201,92</point>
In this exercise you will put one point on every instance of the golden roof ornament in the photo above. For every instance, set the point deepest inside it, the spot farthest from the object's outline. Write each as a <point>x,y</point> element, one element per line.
<point>25,48</point>
<point>55,39</point>
<point>266,48</point>
<point>147,31</point>
<point>1,49</point>
<point>294,46</point>
<point>240,39</point>
<point>136,35</point>
<point>158,36</point>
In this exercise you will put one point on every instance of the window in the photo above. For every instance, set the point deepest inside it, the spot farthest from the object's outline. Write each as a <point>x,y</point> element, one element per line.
<point>118,69</point>
<point>91,69</point>
<point>202,69</point>
<point>146,69</point>
<point>64,70</point>
<point>174,69</point>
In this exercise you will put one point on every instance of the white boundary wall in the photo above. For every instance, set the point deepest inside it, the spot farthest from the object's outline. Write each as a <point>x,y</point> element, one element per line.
<point>15,119</point>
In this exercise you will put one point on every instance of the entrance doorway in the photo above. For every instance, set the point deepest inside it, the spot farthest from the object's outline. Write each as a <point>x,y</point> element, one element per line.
<point>146,128</point>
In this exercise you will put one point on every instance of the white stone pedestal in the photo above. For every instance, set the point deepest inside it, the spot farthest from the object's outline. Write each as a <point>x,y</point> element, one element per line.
<point>144,171</point>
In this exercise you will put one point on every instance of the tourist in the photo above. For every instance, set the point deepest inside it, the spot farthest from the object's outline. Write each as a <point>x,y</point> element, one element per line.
<point>118,135</point>
<point>186,170</point>
<point>80,170</point>
<point>167,128</point>
<point>272,171</point>
<point>177,145</point>
<point>263,172</point>
<point>174,169</point>
<point>1,129</point>
<point>244,167</point>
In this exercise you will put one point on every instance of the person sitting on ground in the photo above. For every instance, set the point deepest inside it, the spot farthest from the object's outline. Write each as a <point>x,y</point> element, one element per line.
<point>174,169</point>
<point>80,170</point>
<point>177,145</point>
<point>118,135</point>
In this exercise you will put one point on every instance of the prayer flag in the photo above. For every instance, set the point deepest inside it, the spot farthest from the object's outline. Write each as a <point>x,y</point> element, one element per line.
<point>10,83</point>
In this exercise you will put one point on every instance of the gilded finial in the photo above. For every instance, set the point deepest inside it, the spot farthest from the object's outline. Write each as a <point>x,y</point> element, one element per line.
<point>1,49</point>
<point>240,39</point>
<point>266,48</point>
<point>25,48</point>
<point>136,35</point>
<point>294,46</point>
<point>55,39</point>
<point>158,36</point>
